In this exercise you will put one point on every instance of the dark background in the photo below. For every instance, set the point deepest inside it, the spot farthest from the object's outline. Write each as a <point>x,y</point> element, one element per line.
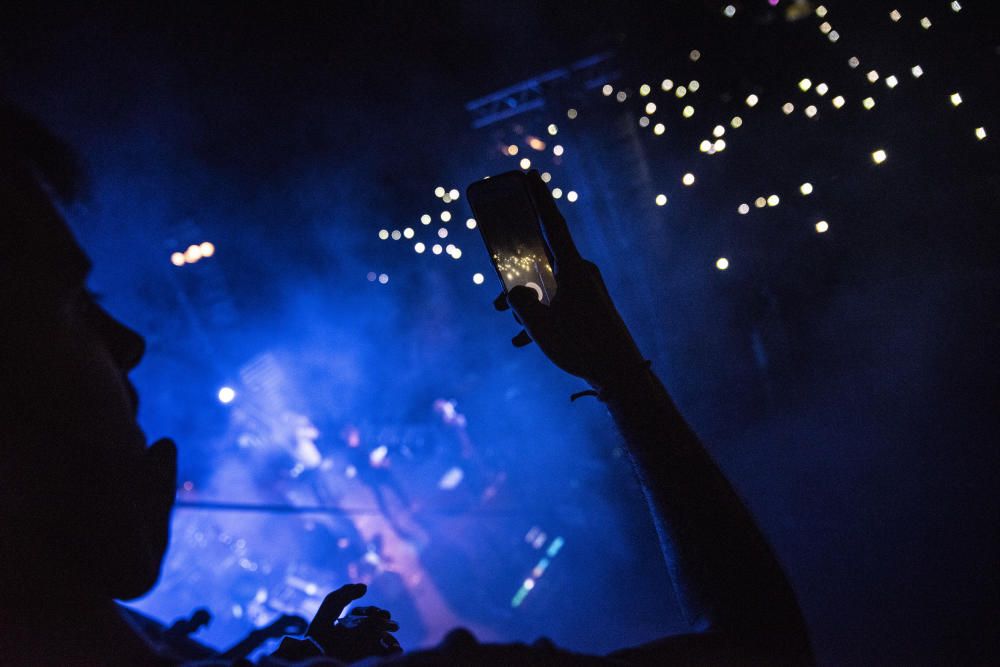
<point>846,382</point>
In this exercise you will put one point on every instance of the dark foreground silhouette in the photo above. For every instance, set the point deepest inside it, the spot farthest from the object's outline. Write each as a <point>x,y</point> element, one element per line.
<point>85,503</point>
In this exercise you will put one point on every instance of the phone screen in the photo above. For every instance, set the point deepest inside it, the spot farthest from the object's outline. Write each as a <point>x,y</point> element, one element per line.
<point>508,220</point>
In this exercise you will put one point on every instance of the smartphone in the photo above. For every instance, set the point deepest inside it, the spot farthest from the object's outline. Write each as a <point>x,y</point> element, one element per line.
<point>508,219</point>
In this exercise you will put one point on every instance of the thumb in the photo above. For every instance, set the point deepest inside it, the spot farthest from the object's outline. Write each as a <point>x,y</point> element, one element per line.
<point>333,606</point>
<point>526,305</point>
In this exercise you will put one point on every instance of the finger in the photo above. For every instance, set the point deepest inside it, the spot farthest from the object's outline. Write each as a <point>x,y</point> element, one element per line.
<point>333,606</point>
<point>521,339</point>
<point>553,224</point>
<point>500,303</point>
<point>390,644</point>
<point>371,611</point>
<point>533,313</point>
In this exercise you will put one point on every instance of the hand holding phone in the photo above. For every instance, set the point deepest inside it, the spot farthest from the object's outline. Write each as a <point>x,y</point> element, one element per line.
<point>559,297</point>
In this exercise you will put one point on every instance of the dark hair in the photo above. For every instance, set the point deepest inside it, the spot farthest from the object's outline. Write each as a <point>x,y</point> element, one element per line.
<point>27,145</point>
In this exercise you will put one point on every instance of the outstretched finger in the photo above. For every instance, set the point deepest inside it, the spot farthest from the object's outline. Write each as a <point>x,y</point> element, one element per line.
<point>333,606</point>
<point>553,223</point>
<point>500,303</point>
<point>521,339</point>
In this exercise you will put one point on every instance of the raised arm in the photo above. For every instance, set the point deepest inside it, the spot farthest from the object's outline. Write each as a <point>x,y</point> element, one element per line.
<point>728,582</point>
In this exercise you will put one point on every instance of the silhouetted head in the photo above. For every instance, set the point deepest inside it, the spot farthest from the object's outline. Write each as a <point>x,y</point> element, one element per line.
<point>84,504</point>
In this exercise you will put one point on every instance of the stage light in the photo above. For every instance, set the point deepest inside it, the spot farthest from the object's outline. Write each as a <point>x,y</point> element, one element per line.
<point>659,129</point>
<point>729,11</point>
<point>396,235</point>
<point>695,55</point>
<point>571,113</point>
<point>227,395</point>
<point>408,233</point>
<point>838,101</point>
<point>917,71</point>
<point>571,196</point>
<point>456,253</point>
<point>650,108</point>
<point>956,99</point>
<point>644,121</point>
<point>722,264</point>
<point>436,248</point>
<point>833,36</point>
<point>688,111</point>
<point>811,111</point>
<point>552,129</point>
<point>821,11</point>
<point>705,146</point>
<point>443,233</point>
<point>556,193</point>
<point>383,278</point>
<point>470,223</point>
<point>719,145</point>
<point>546,176</point>
<point>454,194</point>
<point>688,179</point>
<point>446,199</point>
<point>439,191</point>
<point>177,259</point>
<point>536,143</point>
<point>821,89</point>
<point>805,84</point>
<point>478,278</point>
<point>773,200</point>
<point>694,86</point>
<point>419,247</point>
<point>425,219</point>
<point>192,254</point>
<point>621,96</point>
<point>606,89</point>
<point>743,209</point>
<point>956,6</point>
<point>825,27</point>
<point>371,276</point>
<point>872,76</point>
<point>680,92</point>
<point>895,15</point>
<point>383,234</point>
<point>525,163</point>
<point>378,455</point>
<point>980,133</point>
<point>661,200</point>
<point>207,249</point>
<point>868,103</point>
<point>666,85</point>
<point>806,188</point>
<point>925,23</point>
<point>853,62</point>
<point>512,150</point>
<point>718,131</point>
<point>445,216</point>
<point>557,150</point>
<point>760,202</point>
<point>788,108</point>
<point>822,226</point>
<point>644,89</point>
<point>752,100</point>
<point>879,156</point>
<point>736,122</point>
<point>891,81</point>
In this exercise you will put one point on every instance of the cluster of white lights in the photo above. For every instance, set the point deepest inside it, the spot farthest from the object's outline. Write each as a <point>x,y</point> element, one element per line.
<point>193,253</point>
<point>448,196</point>
<point>382,278</point>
